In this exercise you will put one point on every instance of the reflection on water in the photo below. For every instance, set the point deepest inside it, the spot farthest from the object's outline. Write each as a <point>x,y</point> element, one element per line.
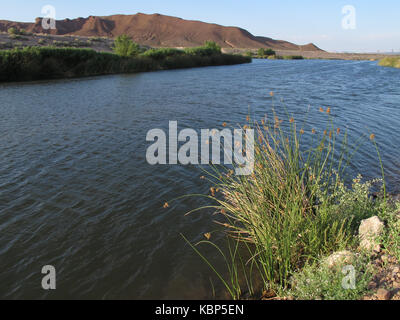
<point>76,191</point>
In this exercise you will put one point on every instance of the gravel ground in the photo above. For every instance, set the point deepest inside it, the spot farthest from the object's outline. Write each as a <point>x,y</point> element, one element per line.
<point>96,43</point>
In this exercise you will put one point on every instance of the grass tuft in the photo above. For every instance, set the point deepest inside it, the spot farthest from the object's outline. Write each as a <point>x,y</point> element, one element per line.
<point>297,206</point>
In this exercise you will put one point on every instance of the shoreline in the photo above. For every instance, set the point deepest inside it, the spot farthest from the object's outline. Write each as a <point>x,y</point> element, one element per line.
<point>322,55</point>
<point>46,63</point>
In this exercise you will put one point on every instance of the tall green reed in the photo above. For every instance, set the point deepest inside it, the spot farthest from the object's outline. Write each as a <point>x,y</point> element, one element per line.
<point>293,209</point>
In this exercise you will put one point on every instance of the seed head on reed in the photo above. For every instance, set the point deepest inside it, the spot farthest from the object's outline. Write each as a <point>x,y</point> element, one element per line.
<point>166,205</point>
<point>271,93</point>
<point>328,111</point>
<point>212,191</point>
<point>207,235</point>
<point>286,211</point>
<point>321,109</point>
<point>224,124</point>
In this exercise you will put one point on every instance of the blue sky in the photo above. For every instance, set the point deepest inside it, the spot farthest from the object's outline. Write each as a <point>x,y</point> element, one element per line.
<point>317,21</point>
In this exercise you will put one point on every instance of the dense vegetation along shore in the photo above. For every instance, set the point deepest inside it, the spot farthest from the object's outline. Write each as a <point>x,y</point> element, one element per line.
<point>393,62</point>
<point>36,63</point>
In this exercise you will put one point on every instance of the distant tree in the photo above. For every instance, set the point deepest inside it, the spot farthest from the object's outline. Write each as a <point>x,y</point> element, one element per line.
<point>125,47</point>
<point>12,30</point>
<point>213,46</point>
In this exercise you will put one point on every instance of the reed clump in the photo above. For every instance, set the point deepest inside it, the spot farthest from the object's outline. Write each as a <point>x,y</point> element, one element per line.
<point>297,206</point>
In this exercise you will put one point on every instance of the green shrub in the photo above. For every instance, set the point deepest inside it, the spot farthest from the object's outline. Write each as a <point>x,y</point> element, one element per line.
<point>213,46</point>
<point>391,238</point>
<point>290,57</point>
<point>24,32</point>
<point>125,47</point>
<point>162,53</point>
<point>13,31</point>
<point>319,282</point>
<point>393,62</point>
<point>263,53</point>
<point>208,49</point>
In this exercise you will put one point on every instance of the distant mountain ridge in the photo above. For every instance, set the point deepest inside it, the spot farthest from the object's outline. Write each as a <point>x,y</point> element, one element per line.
<point>159,31</point>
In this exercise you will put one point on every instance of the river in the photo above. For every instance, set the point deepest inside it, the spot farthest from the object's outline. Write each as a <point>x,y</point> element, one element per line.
<point>77,193</point>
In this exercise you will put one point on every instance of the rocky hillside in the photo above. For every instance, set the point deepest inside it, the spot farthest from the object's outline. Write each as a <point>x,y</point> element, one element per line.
<point>159,31</point>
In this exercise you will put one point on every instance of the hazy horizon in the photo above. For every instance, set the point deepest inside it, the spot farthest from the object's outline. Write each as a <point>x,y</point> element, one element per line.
<point>309,22</point>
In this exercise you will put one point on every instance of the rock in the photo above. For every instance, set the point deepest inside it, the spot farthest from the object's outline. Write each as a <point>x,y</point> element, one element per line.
<point>396,197</point>
<point>396,297</point>
<point>369,231</point>
<point>340,258</point>
<point>383,294</point>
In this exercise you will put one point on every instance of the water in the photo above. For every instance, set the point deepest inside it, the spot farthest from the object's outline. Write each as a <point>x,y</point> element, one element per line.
<point>76,191</point>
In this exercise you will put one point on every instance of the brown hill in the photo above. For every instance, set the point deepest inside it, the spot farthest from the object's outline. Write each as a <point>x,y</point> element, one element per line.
<point>159,31</point>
